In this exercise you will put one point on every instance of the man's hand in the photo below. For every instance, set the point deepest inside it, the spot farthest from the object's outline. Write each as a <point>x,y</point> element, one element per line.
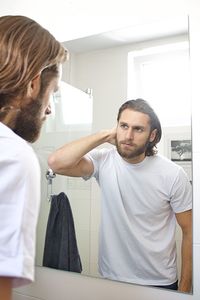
<point>112,136</point>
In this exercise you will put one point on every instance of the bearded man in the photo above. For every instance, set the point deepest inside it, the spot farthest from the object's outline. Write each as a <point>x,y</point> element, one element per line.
<point>30,64</point>
<point>143,195</point>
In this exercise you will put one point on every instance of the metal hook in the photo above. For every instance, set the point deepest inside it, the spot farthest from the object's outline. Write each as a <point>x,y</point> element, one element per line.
<point>49,176</point>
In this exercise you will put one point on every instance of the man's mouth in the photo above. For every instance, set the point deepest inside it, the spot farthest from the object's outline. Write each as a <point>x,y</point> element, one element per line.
<point>127,144</point>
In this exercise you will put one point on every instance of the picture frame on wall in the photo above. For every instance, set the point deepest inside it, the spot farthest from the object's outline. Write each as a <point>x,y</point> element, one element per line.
<point>181,150</point>
<point>178,148</point>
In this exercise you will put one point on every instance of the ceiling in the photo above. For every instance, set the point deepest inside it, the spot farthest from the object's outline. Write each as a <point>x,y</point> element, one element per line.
<point>143,30</point>
<point>74,19</point>
<point>68,19</point>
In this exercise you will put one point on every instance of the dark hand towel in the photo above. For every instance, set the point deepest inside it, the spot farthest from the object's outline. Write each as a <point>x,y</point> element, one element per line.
<point>60,250</point>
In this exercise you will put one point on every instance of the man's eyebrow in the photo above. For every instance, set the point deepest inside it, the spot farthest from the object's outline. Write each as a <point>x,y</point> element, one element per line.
<point>134,126</point>
<point>138,127</point>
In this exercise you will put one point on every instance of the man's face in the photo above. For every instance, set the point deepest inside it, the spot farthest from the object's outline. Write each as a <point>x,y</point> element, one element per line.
<point>31,117</point>
<point>133,135</point>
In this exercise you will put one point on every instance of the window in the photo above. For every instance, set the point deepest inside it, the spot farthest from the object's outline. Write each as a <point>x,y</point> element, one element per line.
<point>71,109</point>
<point>160,75</point>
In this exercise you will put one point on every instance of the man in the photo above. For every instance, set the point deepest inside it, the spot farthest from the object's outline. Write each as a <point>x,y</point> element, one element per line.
<point>30,63</point>
<point>143,194</point>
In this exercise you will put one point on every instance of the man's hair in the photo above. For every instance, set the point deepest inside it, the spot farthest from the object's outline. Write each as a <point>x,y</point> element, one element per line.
<point>142,106</point>
<point>26,50</point>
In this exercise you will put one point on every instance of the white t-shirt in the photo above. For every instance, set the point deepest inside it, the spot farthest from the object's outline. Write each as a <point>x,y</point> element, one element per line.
<point>137,231</point>
<point>19,206</point>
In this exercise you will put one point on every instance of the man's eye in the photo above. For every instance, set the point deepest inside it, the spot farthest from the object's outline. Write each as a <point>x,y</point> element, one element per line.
<point>139,129</point>
<point>123,126</point>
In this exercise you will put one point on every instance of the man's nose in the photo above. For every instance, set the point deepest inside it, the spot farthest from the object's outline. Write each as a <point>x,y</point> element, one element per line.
<point>129,134</point>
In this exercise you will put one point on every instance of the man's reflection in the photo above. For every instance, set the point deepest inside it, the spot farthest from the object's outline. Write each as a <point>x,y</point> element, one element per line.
<point>143,195</point>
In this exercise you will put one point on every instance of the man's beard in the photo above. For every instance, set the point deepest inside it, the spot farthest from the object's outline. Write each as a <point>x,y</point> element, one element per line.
<point>28,122</point>
<point>137,151</point>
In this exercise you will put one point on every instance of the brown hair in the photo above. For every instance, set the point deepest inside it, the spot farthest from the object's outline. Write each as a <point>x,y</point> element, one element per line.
<point>143,106</point>
<point>26,49</point>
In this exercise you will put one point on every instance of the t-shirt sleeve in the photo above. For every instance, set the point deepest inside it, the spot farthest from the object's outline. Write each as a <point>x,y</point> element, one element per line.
<point>96,156</point>
<point>181,193</point>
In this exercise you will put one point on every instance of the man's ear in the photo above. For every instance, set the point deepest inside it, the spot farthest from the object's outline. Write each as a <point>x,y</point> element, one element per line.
<point>34,87</point>
<point>153,135</point>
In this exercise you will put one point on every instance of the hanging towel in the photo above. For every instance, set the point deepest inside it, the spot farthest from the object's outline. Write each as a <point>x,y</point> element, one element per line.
<point>60,249</point>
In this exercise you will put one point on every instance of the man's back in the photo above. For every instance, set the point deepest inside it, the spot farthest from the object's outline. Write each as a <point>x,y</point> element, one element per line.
<point>19,197</point>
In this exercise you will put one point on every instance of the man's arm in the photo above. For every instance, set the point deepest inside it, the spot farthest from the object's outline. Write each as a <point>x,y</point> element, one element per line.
<point>5,288</point>
<point>185,221</point>
<point>70,159</point>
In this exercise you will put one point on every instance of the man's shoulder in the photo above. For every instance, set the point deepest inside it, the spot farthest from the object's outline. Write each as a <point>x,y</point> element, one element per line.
<point>99,153</point>
<point>167,166</point>
<point>15,151</point>
<point>10,139</point>
<point>164,161</point>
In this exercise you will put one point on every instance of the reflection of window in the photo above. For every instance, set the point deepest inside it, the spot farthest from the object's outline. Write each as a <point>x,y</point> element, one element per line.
<point>160,75</point>
<point>76,105</point>
<point>71,109</point>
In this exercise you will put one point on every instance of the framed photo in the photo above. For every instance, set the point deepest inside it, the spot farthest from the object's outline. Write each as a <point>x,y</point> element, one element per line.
<point>178,148</point>
<point>181,150</point>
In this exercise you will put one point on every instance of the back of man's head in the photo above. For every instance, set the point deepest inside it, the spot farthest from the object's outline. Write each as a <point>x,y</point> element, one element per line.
<point>26,48</point>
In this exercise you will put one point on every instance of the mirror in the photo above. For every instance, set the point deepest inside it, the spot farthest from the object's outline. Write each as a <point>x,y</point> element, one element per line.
<point>107,69</point>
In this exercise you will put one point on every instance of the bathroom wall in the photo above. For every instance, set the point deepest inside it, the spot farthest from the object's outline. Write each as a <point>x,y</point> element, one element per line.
<point>53,135</point>
<point>52,284</point>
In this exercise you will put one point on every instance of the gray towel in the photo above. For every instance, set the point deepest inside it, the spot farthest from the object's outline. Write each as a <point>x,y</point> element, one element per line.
<point>60,250</point>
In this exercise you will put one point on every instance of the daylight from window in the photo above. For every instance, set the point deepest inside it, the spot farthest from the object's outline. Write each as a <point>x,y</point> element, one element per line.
<point>160,75</point>
<point>72,109</point>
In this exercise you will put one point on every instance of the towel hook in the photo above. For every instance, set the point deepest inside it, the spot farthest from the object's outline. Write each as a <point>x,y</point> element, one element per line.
<point>49,176</point>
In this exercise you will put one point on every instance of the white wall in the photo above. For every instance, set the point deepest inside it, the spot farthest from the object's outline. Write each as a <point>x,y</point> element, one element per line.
<point>51,284</point>
<point>77,191</point>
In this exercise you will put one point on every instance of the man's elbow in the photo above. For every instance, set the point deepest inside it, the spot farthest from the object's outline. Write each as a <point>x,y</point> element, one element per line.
<point>59,166</point>
<point>53,163</point>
